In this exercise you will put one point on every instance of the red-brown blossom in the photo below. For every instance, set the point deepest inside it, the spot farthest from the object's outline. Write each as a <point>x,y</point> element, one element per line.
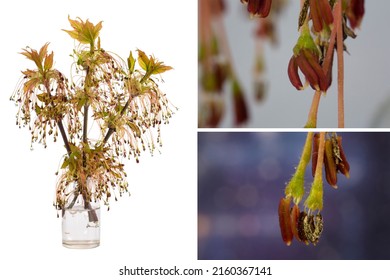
<point>240,107</point>
<point>321,14</point>
<point>285,220</point>
<point>260,8</point>
<point>308,63</point>
<point>355,12</point>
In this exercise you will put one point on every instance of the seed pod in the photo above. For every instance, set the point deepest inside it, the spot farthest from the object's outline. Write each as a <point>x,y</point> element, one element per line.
<point>310,74</point>
<point>285,220</point>
<point>321,14</point>
<point>343,166</point>
<point>294,221</point>
<point>316,15</point>
<point>330,164</point>
<point>326,11</point>
<point>293,75</point>
<point>314,63</point>
<point>314,155</point>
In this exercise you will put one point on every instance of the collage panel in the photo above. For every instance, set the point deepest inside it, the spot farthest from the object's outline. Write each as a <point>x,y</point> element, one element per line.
<point>250,182</point>
<point>279,69</point>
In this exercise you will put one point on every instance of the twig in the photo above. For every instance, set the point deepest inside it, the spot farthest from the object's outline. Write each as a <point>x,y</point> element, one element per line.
<point>64,137</point>
<point>340,63</point>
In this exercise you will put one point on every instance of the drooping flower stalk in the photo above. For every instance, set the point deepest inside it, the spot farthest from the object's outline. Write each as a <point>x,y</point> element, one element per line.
<point>315,199</point>
<point>295,188</point>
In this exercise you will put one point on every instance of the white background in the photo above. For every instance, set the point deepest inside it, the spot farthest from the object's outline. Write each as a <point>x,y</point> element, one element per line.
<point>157,225</point>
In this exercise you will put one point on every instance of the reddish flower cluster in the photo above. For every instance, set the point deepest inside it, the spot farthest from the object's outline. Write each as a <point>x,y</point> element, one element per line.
<point>260,8</point>
<point>335,160</point>
<point>306,228</point>
<point>308,62</point>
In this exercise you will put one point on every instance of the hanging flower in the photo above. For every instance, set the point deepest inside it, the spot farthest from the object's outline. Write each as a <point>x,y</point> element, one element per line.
<point>321,14</point>
<point>260,8</point>
<point>306,57</point>
<point>355,12</point>
<point>240,107</point>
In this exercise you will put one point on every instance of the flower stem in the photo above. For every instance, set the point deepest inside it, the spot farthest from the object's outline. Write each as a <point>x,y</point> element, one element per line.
<point>315,199</point>
<point>312,118</point>
<point>295,188</point>
<point>340,62</point>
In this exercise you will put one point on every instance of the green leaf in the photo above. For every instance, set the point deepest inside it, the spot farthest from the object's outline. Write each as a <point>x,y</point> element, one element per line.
<point>131,63</point>
<point>143,60</point>
<point>38,109</point>
<point>84,32</point>
<point>134,128</point>
<point>42,97</point>
<point>65,163</point>
<point>161,69</point>
<point>49,61</point>
<point>81,102</point>
<point>87,148</point>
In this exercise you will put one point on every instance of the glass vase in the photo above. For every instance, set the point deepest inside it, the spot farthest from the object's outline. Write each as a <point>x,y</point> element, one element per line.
<point>81,223</point>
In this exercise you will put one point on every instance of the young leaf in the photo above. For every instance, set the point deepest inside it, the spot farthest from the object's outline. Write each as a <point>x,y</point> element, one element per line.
<point>143,60</point>
<point>131,63</point>
<point>49,61</point>
<point>158,69</point>
<point>65,163</point>
<point>43,52</point>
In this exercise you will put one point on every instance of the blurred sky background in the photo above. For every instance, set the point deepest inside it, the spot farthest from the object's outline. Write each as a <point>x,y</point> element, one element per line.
<point>367,87</point>
<point>242,176</point>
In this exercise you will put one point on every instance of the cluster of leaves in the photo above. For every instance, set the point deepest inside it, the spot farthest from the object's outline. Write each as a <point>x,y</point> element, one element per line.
<point>42,92</point>
<point>123,97</point>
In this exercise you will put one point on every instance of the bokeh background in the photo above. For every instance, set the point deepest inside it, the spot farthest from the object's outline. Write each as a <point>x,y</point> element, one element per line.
<point>242,176</point>
<point>367,87</point>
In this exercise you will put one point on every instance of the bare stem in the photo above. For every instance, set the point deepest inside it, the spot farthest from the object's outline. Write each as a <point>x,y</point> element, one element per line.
<point>86,106</point>
<point>64,137</point>
<point>340,63</point>
<point>320,159</point>
<point>312,118</point>
<point>85,128</point>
